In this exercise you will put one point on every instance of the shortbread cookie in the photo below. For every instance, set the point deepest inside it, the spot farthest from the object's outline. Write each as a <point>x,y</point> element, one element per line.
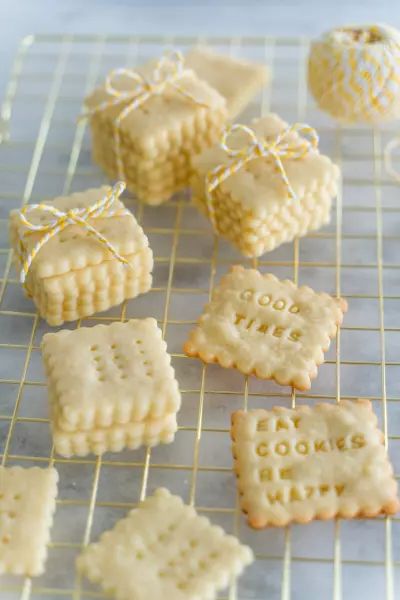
<point>164,550</point>
<point>27,504</point>
<point>157,138</point>
<point>74,275</point>
<point>252,207</point>
<point>312,463</point>
<point>266,327</point>
<point>110,386</point>
<point>149,432</point>
<point>224,73</point>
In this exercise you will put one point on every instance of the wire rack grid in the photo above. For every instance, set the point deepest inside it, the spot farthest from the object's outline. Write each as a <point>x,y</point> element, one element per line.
<point>45,152</point>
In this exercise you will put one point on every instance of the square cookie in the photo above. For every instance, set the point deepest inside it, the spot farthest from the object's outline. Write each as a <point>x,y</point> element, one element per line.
<point>27,505</point>
<point>156,138</point>
<point>312,463</point>
<point>164,550</point>
<point>223,73</point>
<point>252,207</point>
<point>74,275</point>
<point>266,327</point>
<point>110,386</point>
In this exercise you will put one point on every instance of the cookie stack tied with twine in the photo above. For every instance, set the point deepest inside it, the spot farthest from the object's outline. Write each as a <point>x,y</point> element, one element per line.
<point>146,124</point>
<point>80,254</point>
<point>265,184</point>
<point>354,73</point>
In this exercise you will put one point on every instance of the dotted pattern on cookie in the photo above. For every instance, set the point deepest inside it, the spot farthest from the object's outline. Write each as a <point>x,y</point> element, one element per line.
<point>84,369</point>
<point>27,504</point>
<point>163,549</point>
<point>110,387</point>
<point>266,327</point>
<point>312,463</point>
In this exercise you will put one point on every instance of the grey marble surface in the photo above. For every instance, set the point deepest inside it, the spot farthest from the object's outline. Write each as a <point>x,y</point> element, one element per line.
<point>208,17</point>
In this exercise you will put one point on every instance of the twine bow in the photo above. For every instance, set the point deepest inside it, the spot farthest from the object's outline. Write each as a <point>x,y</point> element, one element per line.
<point>278,149</point>
<point>168,71</point>
<point>74,216</point>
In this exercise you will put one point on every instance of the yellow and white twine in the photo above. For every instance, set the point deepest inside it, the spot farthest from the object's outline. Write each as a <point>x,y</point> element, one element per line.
<point>354,73</point>
<point>168,71</point>
<point>278,149</point>
<point>74,216</point>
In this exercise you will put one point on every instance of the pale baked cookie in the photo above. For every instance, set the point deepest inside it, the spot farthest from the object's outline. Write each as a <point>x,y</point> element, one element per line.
<point>252,207</point>
<point>164,550</point>
<point>158,137</point>
<point>310,463</point>
<point>237,80</point>
<point>263,326</point>
<point>27,505</point>
<point>74,275</point>
<point>110,387</point>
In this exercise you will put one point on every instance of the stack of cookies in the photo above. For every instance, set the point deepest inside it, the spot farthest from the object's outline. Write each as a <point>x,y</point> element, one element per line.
<point>158,138</point>
<point>252,207</point>
<point>110,387</point>
<point>150,144</point>
<point>74,275</point>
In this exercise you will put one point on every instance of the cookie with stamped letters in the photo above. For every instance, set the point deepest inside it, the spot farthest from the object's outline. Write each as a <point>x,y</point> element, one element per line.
<point>267,327</point>
<point>310,463</point>
<point>163,550</point>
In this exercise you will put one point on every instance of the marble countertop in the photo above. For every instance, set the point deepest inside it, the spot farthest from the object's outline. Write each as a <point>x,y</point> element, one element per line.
<point>207,17</point>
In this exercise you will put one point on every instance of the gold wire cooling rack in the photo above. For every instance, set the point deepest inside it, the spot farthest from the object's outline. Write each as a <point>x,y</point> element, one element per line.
<point>45,152</point>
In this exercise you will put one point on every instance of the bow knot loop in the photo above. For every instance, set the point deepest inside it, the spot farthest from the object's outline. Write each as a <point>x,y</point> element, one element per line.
<point>111,83</point>
<point>169,67</point>
<point>246,147</point>
<point>61,220</point>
